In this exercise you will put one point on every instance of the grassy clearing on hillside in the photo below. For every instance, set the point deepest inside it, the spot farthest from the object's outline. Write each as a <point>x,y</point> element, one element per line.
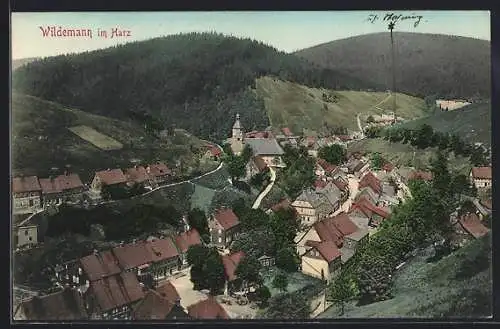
<point>41,141</point>
<point>94,137</point>
<point>406,155</point>
<point>457,286</point>
<point>296,106</point>
<point>472,122</point>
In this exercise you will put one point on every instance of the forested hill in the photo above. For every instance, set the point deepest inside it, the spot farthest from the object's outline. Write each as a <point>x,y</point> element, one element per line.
<point>197,81</point>
<point>426,64</point>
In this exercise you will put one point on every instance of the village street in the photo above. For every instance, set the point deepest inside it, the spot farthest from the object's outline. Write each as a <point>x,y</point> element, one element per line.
<point>182,282</point>
<point>266,190</point>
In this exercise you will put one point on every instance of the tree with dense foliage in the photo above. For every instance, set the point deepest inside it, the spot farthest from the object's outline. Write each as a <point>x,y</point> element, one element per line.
<point>287,259</point>
<point>370,119</point>
<point>248,271</point>
<point>288,306</point>
<point>280,281</point>
<point>207,270</point>
<point>478,158</point>
<point>256,242</point>
<point>373,132</point>
<point>197,219</point>
<point>334,154</point>
<point>299,173</point>
<point>263,294</point>
<point>341,291</point>
<point>285,225</point>
<point>377,161</point>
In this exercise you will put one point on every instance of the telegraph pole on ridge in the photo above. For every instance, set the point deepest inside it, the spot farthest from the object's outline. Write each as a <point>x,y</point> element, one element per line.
<point>391,27</point>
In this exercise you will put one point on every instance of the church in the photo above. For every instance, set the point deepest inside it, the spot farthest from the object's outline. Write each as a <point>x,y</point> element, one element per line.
<point>266,148</point>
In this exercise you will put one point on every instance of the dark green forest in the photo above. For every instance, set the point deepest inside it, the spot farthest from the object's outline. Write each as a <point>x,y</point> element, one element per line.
<point>426,64</point>
<point>195,80</point>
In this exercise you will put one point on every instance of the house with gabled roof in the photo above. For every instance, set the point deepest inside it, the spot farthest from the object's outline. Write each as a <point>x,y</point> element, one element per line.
<point>231,263</point>
<point>213,152</point>
<point>371,181</point>
<point>113,297</point>
<point>110,177</point>
<point>268,149</point>
<point>161,303</point>
<point>481,177</point>
<point>159,173</point>
<point>311,207</point>
<point>62,188</point>
<point>472,225</point>
<point>224,226</point>
<point>207,309</point>
<point>26,195</point>
<point>64,305</point>
<point>137,175</point>
<point>365,214</point>
<point>337,236</point>
<point>185,240</point>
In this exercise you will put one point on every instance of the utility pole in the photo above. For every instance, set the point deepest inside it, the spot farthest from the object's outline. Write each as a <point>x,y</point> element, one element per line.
<point>391,27</point>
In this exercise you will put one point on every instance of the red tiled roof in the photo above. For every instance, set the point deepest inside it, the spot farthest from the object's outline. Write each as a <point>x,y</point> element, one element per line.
<point>473,225</point>
<point>136,254</point>
<point>98,266</point>
<point>388,167</point>
<point>370,180</point>
<point>343,186</point>
<point>207,309</point>
<point>187,239</point>
<point>162,249</point>
<point>226,218</point>
<point>368,208</point>
<point>214,150</point>
<point>116,291</point>
<point>327,249</point>
<point>424,175</point>
<point>287,131</point>
<point>319,184</point>
<point>481,172</point>
<point>158,169</point>
<point>230,263</point>
<point>168,291</point>
<point>344,138</point>
<point>137,174</point>
<point>258,134</point>
<point>25,184</point>
<point>327,167</point>
<point>486,203</point>
<point>111,176</point>
<point>327,231</point>
<point>259,163</point>
<point>344,224</point>
<point>152,307</point>
<point>60,183</point>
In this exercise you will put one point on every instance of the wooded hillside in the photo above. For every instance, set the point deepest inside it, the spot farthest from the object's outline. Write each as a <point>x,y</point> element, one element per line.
<point>197,80</point>
<point>427,64</point>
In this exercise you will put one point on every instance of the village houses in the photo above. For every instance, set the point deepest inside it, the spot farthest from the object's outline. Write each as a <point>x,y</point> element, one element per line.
<point>62,188</point>
<point>158,173</point>
<point>27,195</point>
<point>312,206</point>
<point>161,303</point>
<point>224,226</point>
<point>208,309</point>
<point>481,177</point>
<point>109,177</point>
<point>328,244</point>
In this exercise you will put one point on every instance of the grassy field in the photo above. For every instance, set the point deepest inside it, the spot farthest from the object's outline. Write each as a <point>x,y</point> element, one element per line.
<point>406,155</point>
<point>457,286</point>
<point>42,144</point>
<point>101,141</point>
<point>299,107</point>
<point>472,122</point>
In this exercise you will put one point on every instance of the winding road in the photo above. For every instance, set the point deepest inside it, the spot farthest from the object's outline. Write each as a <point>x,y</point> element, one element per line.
<point>268,188</point>
<point>375,106</point>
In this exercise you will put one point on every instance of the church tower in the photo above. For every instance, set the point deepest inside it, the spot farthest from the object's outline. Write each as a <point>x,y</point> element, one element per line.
<point>237,137</point>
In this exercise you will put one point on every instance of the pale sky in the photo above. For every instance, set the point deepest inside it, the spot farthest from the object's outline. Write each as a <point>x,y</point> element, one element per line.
<point>286,31</point>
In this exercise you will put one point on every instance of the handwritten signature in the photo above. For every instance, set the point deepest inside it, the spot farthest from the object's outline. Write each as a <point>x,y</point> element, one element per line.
<point>392,17</point>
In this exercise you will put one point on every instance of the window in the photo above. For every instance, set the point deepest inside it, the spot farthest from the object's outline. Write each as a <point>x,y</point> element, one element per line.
<point>26,232</point>
<point>220,231</point>
<point>31,203</point>
<point>30,239</point>
<point>220,240</point>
